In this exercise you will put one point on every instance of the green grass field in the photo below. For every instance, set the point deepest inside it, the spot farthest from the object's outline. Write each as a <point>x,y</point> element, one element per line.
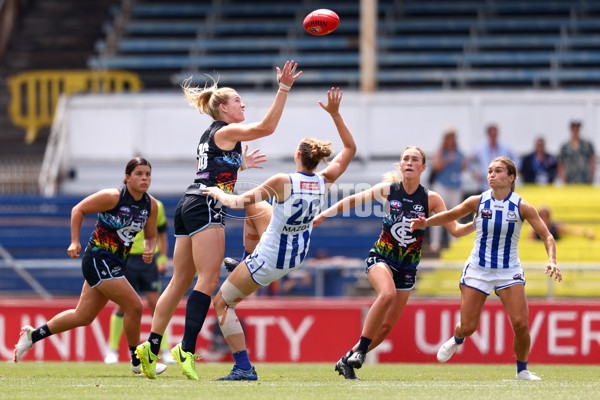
<point>55,380</point>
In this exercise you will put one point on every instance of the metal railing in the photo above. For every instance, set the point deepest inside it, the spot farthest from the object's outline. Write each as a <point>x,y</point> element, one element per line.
<point>34,94</point>
<point>54,156</point>
<point>24,274</point>
<point>19,174</point>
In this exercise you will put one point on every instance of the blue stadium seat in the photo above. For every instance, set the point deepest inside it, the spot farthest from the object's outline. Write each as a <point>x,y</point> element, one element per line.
<point>420,43</point>
<point>147,45</point>
<point>272,9</point>
<point>222,61</point>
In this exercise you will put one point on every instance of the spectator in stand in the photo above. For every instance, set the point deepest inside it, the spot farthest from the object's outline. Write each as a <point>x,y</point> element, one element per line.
<point>558,229</point>
<point>538,166</point>
<point>486,152</point>
<point>448,163</point>
<point>576,160</point>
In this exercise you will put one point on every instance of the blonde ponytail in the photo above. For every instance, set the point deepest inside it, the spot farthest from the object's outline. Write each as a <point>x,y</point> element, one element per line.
<point>206,99</point>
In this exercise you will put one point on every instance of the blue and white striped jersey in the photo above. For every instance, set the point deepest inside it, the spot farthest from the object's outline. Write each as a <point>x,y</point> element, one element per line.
<point>498,226</point>
<point>285,242</point>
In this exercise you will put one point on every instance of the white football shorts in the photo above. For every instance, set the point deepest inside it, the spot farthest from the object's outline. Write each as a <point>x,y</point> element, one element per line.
<point>263,272</point>
<point>487,280</point>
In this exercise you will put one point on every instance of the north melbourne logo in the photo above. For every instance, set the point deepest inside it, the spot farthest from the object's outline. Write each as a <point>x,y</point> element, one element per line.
<point>518,277</point>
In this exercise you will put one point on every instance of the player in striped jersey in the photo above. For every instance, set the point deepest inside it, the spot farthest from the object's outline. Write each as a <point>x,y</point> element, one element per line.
<point>284,244</point>
<point>494,261</point>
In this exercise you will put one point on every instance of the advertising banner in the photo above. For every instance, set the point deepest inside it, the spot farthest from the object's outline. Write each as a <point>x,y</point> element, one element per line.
<point>312,330</point>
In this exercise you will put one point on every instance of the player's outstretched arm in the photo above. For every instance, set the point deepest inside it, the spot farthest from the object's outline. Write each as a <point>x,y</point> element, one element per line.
<point>233,133</point>
<point>377,192</point>
<point>341,161</point>
<point>272,187</point>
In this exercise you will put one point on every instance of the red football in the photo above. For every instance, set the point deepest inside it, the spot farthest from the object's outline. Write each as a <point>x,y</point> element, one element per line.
<point>321,22</point>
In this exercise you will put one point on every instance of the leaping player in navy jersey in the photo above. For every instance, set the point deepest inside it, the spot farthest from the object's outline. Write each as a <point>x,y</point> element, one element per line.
<point>199,222</point>
<point>494,263</point>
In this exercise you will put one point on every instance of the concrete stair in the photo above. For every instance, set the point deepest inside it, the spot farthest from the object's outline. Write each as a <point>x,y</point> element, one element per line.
<point>49,34</point>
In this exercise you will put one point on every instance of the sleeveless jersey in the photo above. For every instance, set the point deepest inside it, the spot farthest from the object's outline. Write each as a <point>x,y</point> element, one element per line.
<point>286,240</point>
<point>161,226</point>
<point>396,243</point>
<point>216,167</point>
<point>498,226</point>
<point>116,228</point>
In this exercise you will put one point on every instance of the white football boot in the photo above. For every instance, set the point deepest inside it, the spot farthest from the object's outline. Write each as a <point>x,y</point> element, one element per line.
<point>25,343</point>
<point>447,350</point>
<point>525,375</point>
<point>137,369</point>
<point>112,356</point>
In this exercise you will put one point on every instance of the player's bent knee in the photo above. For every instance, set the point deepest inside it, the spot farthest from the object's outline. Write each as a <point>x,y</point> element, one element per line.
<point>228,320</point>
<point>231,294</point>
<point>132,307</point>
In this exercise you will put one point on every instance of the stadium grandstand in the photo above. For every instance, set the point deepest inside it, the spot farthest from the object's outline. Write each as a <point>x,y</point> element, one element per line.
<point>471,59</point>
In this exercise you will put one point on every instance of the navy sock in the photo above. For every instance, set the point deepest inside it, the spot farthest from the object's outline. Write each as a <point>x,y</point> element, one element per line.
<point>345,358</point>
<point>155,339</point>
<point>195,312</point>
<point>241,360</point>
<point>521,365</point>
<point>459,341</point>
<point>245,254</point>
<point>40,333</point>
<point>134,360</point>
<point>363,345</point>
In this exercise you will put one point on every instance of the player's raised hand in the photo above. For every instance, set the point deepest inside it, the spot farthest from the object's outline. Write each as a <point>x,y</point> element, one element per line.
<point>334,98</point>
<point>288,75</point>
